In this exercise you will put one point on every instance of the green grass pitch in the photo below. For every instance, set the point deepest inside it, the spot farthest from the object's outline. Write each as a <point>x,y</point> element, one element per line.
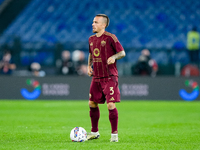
<point>142,125</point>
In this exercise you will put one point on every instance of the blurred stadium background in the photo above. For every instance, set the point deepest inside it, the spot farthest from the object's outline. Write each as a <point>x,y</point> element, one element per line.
<point>38,31</point>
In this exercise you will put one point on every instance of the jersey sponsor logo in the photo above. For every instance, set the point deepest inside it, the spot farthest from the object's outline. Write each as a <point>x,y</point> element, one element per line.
<point>35,93</point>
<point>96,52</point>
<point>103,43</point>
<point>97,60</point>
<point>190,96</point>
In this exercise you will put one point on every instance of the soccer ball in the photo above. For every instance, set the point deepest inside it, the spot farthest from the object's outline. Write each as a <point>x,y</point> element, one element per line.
<point>78,134</point>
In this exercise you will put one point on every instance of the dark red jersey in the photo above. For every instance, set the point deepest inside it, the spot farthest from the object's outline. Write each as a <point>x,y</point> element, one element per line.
<point>101,48</point>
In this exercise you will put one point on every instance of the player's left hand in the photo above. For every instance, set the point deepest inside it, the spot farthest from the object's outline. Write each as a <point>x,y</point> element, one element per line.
<point>110,61</point>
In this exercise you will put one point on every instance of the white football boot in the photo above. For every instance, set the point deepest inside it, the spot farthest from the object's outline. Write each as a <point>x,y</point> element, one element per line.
<point>114,138</point>
<point>93,135</point>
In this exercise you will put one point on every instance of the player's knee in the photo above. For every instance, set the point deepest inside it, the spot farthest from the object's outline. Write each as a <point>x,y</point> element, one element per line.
<point>92,104</point>
<point>111,106</point>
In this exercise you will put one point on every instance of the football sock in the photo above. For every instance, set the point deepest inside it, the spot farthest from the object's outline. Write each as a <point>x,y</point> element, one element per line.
<point>113,117</point>
<point>94,115</point>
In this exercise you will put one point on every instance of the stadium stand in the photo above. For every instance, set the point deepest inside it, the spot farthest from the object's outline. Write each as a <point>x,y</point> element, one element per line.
<point>138,24</point>
<point>1,1</point>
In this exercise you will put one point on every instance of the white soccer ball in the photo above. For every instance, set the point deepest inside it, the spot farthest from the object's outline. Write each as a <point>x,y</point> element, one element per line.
<point>78,134</point>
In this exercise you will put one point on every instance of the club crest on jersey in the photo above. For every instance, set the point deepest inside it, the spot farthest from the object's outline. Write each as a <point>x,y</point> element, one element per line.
<point>103,43</point>
<point>96,52</point>
<point>91,44</point>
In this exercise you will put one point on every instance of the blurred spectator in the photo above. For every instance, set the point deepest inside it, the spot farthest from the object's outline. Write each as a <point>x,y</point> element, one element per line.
<point>193,42</point>
<point>145,65</point>
<point>67,67</point>
<point>36,70</point>
<point>80,63</point>
<point>190,70</point>
<point>6,64</point>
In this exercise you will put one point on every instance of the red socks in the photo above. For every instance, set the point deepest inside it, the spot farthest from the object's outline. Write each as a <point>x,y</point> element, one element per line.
<point>113,117</point>
<point>94,115</point>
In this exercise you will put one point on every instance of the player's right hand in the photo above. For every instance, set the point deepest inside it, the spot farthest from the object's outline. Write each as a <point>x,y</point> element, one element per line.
<point>90,71</point>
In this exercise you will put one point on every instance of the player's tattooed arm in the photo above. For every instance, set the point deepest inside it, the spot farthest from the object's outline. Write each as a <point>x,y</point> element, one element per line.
<point>119,55</point>
<point>111,60</point>
<point>90,62</point>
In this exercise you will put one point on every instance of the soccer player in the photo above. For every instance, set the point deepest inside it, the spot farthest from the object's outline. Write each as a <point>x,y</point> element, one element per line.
<point>104,50</point>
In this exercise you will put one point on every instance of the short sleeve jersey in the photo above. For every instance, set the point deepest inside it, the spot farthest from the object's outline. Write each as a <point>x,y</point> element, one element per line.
<point>101,48</point>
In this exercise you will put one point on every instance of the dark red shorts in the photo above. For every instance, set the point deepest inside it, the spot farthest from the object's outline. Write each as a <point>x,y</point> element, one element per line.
<point>104,91</point>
